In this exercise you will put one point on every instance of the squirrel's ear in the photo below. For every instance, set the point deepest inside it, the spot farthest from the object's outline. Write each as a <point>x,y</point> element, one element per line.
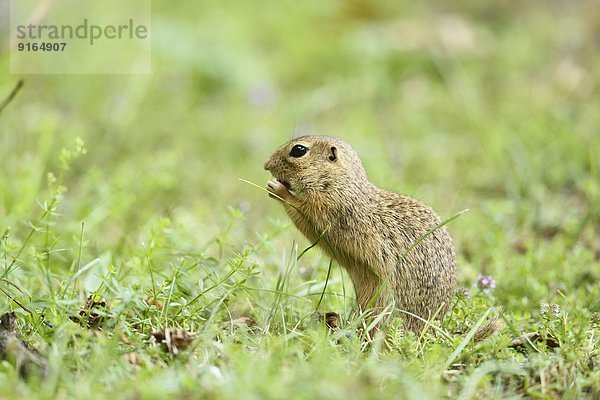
<point>333,155</point>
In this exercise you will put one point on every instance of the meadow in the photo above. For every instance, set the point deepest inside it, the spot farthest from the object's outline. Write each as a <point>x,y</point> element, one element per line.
<point>129,189</point>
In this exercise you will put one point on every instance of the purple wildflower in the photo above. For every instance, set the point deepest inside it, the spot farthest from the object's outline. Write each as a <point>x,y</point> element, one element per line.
<point>486,283</point>
<point>464,292</point>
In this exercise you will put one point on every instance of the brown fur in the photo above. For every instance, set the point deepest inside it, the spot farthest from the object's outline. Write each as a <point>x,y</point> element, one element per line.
<point>366,229</point>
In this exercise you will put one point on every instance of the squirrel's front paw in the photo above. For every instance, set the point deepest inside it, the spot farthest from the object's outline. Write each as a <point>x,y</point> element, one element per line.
<point>277,190</point>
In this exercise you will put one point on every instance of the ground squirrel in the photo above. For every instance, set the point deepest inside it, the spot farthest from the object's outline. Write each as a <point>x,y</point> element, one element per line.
<point>366,229</point>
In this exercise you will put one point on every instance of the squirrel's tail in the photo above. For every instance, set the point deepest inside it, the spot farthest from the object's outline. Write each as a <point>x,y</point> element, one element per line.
<point>493,326</point>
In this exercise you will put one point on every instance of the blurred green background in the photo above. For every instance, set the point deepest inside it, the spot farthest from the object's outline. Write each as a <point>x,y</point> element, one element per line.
<point>493,107</point>
<point>463,105</point>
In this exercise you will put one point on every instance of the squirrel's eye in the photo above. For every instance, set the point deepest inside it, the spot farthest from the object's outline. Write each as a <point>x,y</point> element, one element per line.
<point>298,151</point>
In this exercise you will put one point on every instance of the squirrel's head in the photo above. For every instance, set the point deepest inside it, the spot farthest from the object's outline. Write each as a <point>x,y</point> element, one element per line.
<point>315,164</point>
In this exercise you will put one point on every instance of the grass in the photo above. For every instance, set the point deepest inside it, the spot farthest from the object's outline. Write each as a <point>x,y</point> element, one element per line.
<point>462,106</point>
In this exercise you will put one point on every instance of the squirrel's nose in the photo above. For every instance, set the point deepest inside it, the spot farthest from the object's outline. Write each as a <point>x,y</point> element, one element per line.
<point>268,164</point>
